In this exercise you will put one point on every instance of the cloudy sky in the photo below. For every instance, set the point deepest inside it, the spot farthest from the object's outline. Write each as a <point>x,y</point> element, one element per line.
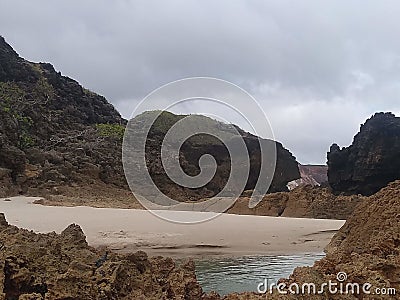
<point>317,68</point>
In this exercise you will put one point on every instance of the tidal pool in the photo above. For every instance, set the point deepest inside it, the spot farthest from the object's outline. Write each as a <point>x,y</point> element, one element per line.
<point>241,274</point>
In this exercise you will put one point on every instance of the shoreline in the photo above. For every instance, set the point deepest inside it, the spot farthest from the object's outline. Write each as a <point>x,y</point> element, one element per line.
<point>131,230</point>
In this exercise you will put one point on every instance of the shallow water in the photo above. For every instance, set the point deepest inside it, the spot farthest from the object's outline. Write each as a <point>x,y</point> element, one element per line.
<point>228,275</point>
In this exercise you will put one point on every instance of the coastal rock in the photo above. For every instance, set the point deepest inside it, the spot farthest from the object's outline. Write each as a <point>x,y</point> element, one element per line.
<point>56,136</point>
<point>52,266</point>
<point>302,202</point>
<point>366,248</point>
<point>371,162</point>
<point>53,131</point>
<point>63,266</point>
<point>196,146</point>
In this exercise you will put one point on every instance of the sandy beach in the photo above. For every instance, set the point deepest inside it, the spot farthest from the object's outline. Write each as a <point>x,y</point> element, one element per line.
<point>127,230</point>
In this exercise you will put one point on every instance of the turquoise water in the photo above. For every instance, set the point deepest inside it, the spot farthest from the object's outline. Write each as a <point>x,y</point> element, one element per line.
<point>228,275</point>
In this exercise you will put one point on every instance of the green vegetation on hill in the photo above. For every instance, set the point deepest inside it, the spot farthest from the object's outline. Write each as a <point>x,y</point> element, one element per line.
<point>48,132</point>
<point>13,98</point>
<point>111,130</point>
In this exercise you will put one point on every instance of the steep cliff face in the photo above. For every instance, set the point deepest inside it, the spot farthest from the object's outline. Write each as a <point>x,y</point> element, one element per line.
<point>371,162</point>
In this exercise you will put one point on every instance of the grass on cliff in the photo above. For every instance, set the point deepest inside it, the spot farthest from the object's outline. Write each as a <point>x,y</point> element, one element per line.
<point>111,130</point>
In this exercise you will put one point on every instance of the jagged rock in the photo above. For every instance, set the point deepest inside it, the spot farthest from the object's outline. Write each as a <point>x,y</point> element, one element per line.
<point>366,248</point>
<point>7,187</point>
<point>302,202</point>
<point>4,173</point>
<point>62,266</point>
<point>371,162</point>
<point>34,266</point>
<point>73,235</point>
<point>12,158</point>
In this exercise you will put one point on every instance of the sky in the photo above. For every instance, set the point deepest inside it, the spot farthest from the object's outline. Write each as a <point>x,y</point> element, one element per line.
<point>318,69</point>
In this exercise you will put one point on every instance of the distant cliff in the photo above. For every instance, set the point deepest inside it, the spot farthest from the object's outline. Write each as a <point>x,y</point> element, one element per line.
<point>371,162</point>
<point>314,175</point>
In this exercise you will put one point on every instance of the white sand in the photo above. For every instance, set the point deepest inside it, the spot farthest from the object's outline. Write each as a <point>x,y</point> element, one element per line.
<point>131,230</point>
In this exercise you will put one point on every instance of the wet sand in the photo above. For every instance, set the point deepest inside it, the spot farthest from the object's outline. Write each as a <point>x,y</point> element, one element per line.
<point>126,230</point>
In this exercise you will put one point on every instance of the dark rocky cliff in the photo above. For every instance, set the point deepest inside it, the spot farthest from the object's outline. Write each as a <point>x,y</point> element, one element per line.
<point>286,165</point>
<point>371,162</point>
<point>52,130</point>
<point>55,133</point>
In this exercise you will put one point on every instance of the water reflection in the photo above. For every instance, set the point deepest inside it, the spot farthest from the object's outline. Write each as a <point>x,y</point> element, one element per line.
<point>227,275</point>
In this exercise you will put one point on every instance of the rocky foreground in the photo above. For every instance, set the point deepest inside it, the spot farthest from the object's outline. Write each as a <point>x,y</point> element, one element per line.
<point>52,266</point>
<point>366,248</point>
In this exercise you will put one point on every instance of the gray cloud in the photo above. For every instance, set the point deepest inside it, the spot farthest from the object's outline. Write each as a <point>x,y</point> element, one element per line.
<point>318,68</point>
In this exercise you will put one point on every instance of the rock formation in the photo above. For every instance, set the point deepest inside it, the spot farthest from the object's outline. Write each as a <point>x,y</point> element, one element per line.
<point>302,202</point>
<point>200,144</point>
<point>371,162</point>
<point>63,266</point>
<point>56,136</point>
<point>53,132</point>
<point>366,248</point>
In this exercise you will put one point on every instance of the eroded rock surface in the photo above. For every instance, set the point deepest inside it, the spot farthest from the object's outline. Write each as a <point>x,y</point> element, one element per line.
<point>302,202</point>
<point>63,266</point>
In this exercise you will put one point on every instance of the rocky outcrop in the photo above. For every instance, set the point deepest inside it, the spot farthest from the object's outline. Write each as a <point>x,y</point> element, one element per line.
<point>371,162</point>
<point>194,147</point>
<point>303,202</point>
<point>366,248</point>
<point>63,266</point>
<point>55,133</point>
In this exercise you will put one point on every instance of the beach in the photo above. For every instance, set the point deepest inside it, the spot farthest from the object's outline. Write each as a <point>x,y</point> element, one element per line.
<point>128,230</point>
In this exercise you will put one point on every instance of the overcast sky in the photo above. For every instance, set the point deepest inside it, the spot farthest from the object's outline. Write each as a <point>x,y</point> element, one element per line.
<point>318,68</point>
